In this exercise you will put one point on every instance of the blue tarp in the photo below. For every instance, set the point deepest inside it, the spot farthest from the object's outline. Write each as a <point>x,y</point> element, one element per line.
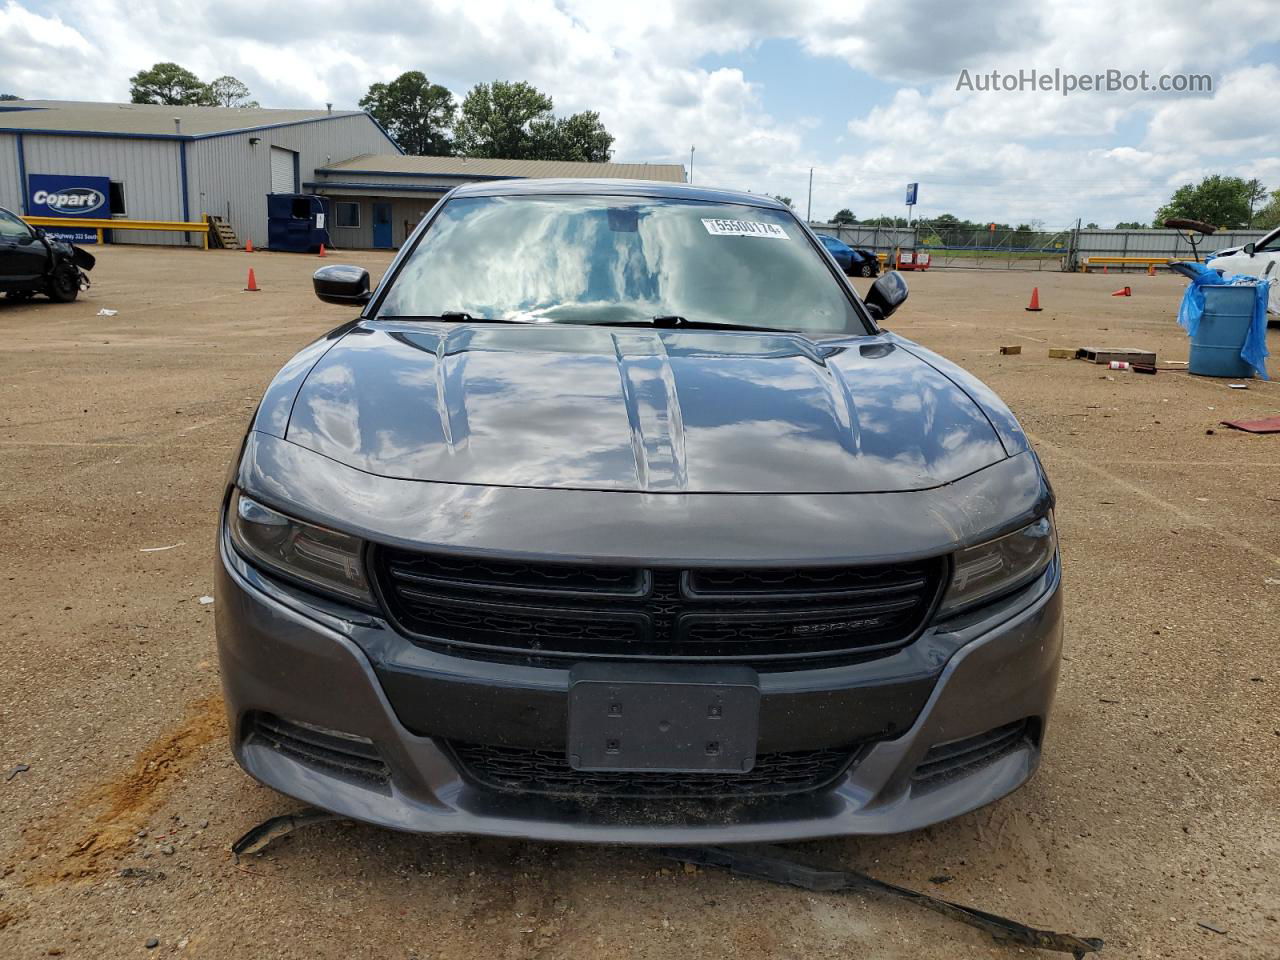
<point>1254,351</point>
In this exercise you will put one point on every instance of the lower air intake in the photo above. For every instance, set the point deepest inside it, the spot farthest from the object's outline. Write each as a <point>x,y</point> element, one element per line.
<point>354,758</point>
<point>946,761</point>
<point>547,772</point>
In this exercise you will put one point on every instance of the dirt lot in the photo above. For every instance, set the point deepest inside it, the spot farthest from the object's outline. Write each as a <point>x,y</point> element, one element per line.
<point>1156,808</point>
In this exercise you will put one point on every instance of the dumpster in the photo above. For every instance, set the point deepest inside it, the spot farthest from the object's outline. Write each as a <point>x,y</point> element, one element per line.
<point>1226,319</point>
<point>297,222</point>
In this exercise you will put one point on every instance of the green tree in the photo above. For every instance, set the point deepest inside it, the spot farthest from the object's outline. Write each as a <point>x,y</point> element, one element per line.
<point>1130,225</point>
<point>1254,194</point>
<point>579,137</point>
<point>497,120</point>
<point>170,84</point>
<point>781,199</point>
<point>229,92</point>
<point>1221,201</point>
<point>1093,226</point>
<point>9,96</point>
<point>844,215</point>
<point>1269,216</point>
<point>416,112</point>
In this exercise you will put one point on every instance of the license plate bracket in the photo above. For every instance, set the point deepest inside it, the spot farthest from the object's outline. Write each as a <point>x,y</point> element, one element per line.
<point>663,719</point>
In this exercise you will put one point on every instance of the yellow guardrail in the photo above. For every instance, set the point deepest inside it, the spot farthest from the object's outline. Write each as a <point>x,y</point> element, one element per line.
<point>1122,261</point>
<point>177,226</point>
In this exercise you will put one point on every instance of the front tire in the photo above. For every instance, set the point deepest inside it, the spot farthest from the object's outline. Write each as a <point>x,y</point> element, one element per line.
<point>867,270</point>
<point>64,285</point>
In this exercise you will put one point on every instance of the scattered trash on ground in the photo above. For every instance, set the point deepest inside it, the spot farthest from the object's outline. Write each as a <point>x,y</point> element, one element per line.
<point>1062,353</point>
<point>20,768</point>
<point>104,312</point>
<point>1238,386</point>
<point>206,600</point>
<point>180,543</point>
<point>789,872</point>
<point>269,831</point>
<point>1107,354</point>
<point>1012,349</point>
<point>1265,425</point>
<point>1210,927</point>
<point>1118,365</point>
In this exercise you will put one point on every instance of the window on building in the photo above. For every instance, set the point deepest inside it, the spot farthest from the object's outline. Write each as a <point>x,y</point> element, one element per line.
<point>117,199</point>
<point>347,214</point>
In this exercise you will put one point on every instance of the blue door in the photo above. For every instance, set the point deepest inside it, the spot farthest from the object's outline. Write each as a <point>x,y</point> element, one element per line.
<point>382,225</point>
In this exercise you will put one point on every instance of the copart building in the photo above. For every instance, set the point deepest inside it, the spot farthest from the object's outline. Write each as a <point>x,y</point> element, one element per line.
<point>144,162</point>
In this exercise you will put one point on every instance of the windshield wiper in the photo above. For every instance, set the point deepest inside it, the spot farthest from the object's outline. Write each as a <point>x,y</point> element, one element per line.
<point>454,316</point>
<point>676,322</point>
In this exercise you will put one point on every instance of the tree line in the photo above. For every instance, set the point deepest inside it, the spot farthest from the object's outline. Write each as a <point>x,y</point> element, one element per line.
<point>509,120</point>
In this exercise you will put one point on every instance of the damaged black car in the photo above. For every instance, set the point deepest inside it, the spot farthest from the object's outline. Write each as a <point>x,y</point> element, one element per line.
<point>32,262</point>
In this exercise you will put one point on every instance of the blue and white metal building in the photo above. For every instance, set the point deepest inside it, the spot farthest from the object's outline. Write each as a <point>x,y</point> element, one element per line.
<point>175,163</point>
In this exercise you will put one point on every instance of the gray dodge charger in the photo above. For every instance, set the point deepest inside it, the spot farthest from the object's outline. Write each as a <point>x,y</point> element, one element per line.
<point>617,516</point>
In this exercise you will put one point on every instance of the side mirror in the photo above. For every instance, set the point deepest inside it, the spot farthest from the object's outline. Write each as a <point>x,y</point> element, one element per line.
<point>1248,248</point>
<point>342,284</point>
<point>886,295</point>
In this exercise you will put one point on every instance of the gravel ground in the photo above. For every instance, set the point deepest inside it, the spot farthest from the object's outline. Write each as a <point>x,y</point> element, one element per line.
<point>1155,810</point>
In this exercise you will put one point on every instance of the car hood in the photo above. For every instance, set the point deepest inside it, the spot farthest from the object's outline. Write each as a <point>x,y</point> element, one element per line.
<point>638,410</point>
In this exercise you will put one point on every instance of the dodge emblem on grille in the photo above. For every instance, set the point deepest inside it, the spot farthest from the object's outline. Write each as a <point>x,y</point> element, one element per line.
<point>810,628</point>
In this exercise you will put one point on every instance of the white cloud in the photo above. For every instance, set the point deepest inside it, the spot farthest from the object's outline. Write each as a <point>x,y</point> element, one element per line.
<point>1005,156</point>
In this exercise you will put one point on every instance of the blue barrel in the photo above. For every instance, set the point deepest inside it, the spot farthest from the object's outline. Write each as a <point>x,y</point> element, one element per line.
<point>1215,349</point>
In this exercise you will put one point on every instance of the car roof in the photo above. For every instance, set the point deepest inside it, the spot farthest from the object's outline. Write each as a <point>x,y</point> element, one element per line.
<point>615,188</point>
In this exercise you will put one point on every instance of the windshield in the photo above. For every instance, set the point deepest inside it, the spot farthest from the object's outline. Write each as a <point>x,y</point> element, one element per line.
<point>608,260</point>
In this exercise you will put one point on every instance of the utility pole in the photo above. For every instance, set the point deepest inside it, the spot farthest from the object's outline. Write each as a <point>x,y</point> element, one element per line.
<point>691,149</point>
<point>808,214</point>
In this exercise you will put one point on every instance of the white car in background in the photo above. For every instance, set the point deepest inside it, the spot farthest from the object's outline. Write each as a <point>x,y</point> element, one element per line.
<point>1260,258</point>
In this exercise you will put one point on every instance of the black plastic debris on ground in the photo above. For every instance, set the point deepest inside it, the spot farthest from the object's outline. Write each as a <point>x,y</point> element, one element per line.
<point>780,870</point>
<point>763,866</point>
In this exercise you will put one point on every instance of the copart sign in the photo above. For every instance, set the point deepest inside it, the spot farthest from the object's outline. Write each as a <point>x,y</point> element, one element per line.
<point>52,195</point>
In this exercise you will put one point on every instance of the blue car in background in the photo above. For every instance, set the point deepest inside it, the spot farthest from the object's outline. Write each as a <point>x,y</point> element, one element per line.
<point>854,262</point>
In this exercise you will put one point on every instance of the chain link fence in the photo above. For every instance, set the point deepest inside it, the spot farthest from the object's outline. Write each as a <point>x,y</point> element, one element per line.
<point>967,248</point>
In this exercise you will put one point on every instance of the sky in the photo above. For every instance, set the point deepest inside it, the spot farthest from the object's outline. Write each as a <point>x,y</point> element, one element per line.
<point>864,93</point>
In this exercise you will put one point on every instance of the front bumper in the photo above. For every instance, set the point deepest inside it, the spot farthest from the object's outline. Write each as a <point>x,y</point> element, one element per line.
<point>291,655</point>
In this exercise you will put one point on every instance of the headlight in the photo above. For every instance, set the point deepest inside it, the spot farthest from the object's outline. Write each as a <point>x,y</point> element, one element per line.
<point>327,560</point>
<point>999,566</point>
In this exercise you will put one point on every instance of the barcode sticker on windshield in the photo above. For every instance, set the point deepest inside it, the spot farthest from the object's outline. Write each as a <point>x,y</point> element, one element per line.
<point>744,228</point>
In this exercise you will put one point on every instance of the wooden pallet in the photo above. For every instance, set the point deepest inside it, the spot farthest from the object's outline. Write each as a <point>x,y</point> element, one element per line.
<point>1107,354</point>
<point>222,235</point>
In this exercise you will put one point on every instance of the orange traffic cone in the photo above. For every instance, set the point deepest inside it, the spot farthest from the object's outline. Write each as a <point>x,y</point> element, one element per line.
<point>248,246</point>
<point>1034,305</point>
<point>322,253</point>
<point>1123,292</point>
<point>253,283</point>
<point>1104,269</point>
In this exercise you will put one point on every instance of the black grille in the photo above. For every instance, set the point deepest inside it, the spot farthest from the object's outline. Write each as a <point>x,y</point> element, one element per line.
<point>947,761</point>
<point>351,757</point>
<point>520,770</point>
<point>779,618</point>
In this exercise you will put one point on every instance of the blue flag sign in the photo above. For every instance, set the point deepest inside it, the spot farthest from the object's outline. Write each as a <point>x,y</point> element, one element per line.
<point>912,190</point>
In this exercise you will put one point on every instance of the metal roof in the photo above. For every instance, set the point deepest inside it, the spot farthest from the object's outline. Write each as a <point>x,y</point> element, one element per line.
<point>469,168</point>
<point>146,119</point>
